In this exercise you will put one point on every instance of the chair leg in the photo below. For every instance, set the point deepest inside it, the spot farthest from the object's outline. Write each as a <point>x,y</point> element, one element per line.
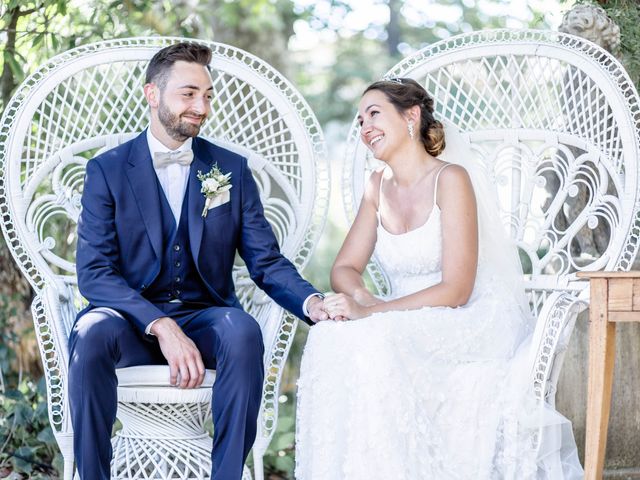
<point>258,466</point>
<point>65,443</point>
<point>68,468</point>
<point>246,473</point>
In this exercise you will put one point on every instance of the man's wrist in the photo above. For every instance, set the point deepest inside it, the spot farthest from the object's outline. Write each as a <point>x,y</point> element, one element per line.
<point>148,331</point>
<point>310,301</point>
<point>159,326</point>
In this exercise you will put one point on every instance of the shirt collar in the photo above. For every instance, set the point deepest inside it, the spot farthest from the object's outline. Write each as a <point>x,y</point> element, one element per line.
<point>156,145</point>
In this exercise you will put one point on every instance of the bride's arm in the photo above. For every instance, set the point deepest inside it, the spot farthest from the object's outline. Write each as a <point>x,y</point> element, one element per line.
<point>459,252</point>
<point>346,273</point>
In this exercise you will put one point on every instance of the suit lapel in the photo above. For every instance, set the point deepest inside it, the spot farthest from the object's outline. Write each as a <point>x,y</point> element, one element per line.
<point>144,185</point>
<point>196,199</point>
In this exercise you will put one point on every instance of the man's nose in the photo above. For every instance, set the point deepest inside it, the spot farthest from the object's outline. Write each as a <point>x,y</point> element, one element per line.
<point>201,105</point>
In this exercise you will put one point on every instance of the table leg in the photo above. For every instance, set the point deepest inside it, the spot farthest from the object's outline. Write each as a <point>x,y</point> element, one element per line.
<point>602,335</point>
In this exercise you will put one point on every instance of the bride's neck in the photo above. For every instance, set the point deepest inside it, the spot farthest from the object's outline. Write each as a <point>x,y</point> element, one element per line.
<point>410,166</point>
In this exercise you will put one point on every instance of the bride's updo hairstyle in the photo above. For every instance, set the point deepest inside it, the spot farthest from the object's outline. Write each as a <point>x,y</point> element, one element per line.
<point>404,93</point>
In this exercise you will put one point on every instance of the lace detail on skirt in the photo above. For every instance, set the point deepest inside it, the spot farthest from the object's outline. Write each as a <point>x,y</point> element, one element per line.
<point>433,394</point>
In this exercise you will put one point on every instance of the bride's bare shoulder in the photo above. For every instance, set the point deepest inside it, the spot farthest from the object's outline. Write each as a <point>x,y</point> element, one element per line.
<point>453,174</point>
<point>454,184</point>
<point>372,187</point>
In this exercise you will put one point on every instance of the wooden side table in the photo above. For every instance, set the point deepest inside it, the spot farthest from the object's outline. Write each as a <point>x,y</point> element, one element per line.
<point>615,297</point>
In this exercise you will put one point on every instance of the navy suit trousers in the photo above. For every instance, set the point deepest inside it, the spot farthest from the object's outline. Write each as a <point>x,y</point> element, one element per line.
<point>229,340</point>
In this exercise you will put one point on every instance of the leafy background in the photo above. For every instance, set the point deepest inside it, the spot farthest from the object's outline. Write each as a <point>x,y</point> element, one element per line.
<point>329,49</point>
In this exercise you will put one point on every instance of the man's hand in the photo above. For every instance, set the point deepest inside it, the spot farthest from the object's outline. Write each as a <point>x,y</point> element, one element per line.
<point>316,310</point>
<point>182,354</point>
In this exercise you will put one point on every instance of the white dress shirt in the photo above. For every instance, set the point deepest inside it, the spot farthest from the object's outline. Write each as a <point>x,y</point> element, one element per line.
<point>173,178</point>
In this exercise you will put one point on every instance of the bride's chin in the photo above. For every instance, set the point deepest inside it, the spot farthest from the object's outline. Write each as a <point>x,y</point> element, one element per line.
<point>373,152</point>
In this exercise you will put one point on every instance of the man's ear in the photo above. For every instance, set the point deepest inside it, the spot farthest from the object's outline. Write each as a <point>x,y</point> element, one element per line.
<point>152,94</point>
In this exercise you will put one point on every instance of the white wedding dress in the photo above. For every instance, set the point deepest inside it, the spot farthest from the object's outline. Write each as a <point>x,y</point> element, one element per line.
<point>434,394</point>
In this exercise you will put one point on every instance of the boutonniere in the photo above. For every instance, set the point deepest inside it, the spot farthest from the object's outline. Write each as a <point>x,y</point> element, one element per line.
<point>214,187</point>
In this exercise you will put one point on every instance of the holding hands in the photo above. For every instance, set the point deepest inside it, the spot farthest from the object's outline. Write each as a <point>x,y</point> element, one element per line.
<point>341,307</point>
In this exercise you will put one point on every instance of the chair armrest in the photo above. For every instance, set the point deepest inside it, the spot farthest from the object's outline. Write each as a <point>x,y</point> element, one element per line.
<point>554,327</point>
<point>279,328</point>
<point>48,309</point>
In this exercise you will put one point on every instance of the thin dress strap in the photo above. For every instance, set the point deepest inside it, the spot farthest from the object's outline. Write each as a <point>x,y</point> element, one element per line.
<point>435,186</point>
<point>380,193</point>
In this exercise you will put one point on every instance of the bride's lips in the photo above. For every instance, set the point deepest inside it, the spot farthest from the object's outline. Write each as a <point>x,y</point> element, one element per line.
<point>375,140</point>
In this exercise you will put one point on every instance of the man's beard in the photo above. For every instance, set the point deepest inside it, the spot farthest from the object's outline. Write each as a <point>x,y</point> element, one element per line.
<point>176,128</point>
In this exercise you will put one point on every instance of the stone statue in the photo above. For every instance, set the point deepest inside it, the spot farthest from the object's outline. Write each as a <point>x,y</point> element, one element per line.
<point>592,23</point>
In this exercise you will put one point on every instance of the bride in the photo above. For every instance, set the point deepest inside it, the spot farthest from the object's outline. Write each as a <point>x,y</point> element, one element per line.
<point>431,382</point>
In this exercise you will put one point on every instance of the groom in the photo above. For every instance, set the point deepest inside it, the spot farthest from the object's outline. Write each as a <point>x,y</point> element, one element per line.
<point>154,260</point>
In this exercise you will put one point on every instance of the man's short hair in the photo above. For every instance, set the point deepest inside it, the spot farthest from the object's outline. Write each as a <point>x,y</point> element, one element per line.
<point>161,63</point>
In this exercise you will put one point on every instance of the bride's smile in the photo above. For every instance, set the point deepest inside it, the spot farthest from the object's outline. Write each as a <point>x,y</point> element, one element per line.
<point>383,128</point>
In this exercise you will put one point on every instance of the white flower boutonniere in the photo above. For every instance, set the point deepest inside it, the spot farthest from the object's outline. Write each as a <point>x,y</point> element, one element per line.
<point>214,186</point>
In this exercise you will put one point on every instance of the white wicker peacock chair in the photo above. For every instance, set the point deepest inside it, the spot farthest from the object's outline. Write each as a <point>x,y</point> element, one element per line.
<point>90,99</point>
<point>555,121</point>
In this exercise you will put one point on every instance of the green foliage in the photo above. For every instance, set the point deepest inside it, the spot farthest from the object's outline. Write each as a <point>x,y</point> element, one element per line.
<point>626,14</point>
<point>8,340</point>
<point>36,30</point>
<point>28,445</point>
<point>333,92</point>
<point>279,459</point>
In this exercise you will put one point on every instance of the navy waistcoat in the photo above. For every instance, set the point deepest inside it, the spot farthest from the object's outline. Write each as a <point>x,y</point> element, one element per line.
<point>178,279</point>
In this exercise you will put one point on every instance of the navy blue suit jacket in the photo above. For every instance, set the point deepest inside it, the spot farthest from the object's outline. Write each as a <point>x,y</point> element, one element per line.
<point>120,233</point>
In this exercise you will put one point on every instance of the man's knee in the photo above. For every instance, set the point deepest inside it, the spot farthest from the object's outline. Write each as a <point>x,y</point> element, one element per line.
<point>96,329</point>
<point>241,334</point>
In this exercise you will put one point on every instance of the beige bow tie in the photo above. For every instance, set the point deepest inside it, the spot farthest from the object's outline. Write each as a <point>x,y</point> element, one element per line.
<point>164,159</point>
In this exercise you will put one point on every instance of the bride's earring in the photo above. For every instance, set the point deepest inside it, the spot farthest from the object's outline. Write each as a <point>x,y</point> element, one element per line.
<point>410,128</point>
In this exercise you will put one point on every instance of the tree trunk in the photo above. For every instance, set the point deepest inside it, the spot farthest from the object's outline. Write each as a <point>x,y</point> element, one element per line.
<point>15,293</point>
<point>7,82</point>
<point>393,29</point>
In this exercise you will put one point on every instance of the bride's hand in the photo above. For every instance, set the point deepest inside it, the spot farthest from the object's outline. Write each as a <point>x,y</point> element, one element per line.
<point>344,307</point>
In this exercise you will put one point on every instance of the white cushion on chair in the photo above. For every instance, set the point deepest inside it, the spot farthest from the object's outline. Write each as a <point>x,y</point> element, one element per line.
<point>154,376</point>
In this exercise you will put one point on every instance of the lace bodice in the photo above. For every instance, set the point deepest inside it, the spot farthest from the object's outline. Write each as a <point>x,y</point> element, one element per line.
<point>412,260</point>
